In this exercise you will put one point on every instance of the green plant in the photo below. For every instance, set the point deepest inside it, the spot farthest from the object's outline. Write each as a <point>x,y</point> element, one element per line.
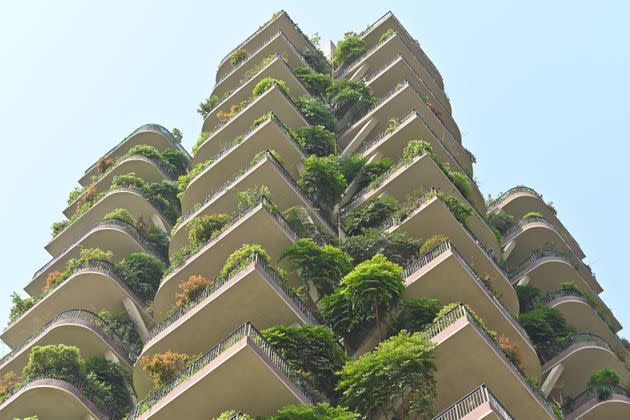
<point>142,273</point>
<point>532,214</point>
<point>557,412</point>
<point>604,377</point>
<point>316,60</point>
<point>312,351</point>
<point>163,367</point>
<point>238,56</point>
<point>460,181</point>
<point>75,193</point>
<point>396,380</point>
<point>177,159</point>
<point>528,295</point>
<point>432,242</point>
<point>348,49</point>
<point>319,411</point>
<point>511,350</point>
<point>262,119</point>
<point>416,148</point>
<point>323,180</point>
<point>316,112</point>
<point>398,247</point>
<point>373,171</point>
<point>386,35</point>
<point>392,124</point>
<point>232,414</point>
<point>54,360</point>
<point>241,255</point>
<point>315,140</point>
<point>461,211</point>
<point>19,305</point>
<point>546,327</point>
<point>351,166</point>
<point>202,228</point>
<point>266,83</point>
<point>177,135</point>
<point>500,220</point>
<point>203,136</point>
<point>184,180</point>
<point>476,318</point>
<point>124,327</point>
<point>373,214</point>
<point>349,97</point>
<point>316,83</point>
<point>207,106</point>
<point>115,379</point>
<point>120,214</point>
<point>415,314</point>
<point>252,196</point>
<point>338,311</point>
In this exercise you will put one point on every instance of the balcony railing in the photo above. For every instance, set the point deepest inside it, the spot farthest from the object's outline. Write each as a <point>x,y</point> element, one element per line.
<point>127,348</point>
<point>534,259</point>
<point>346,68</point>
<point>260,263</point>
<point>519,188</point>
<point>146,127</point>
<point>246,330</point>
<point>470,402</point>
<point>125,226</point>
<point>518,226</point>
<point>589,394</point>
<point>548,354</point>
<point>549,297</point>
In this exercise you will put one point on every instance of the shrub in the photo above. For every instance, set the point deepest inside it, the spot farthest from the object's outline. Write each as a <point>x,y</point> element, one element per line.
<point>87,256</point>
<point>19,305</point>
<point>351,166</point>
<point>266,83</point>
<point>527,296</point>
<point>8,381</point>
<point>146,151</point>
<point>86,199</point>
<point>241,255</point>
<point>511,350</point>
<point>203,136</point>
<point>262,119</point>
<point>386,35</point>
<point>323,180</point>
<point>316,112</point>
<point>604,377</point>
<point>316,83</point>
<point>120,214</point>
<point>114,377</point>
<point>233,414</point>
<point>59,226</point>
<point>461,211</point>
<point>416,148</point>
<point>202,228</point>
<point>532,214</point>
<point>546,327</point>
<point>124,327</point>
<point>238,56</point>
<point>338,311</point>
<point>392,124</point>
<point>349,97</point>
<point>500,220</point>
<point>184,180</point>
<point>373,214</point>
<point>316,60</point>
<point>177,159</point>
<point>315,140</point>
<point>158,238</point>
<point>74,194</point>
<point>190,288</point>
<point>398,247</point>
<point>319,411</point>
<point>207,106</point>
<point>416,314</point>
<point>432,242</point>
<point>348,49</point>
<point>461,182</point>
<point>163,367</point>
<point>142,273</point>
<point>53,360</point>
<point>103,165</point>
<point>251,197</point>
<point>373,171</point>
<point>53,279</point>
<point>224,116</point>
<point>177,135</point>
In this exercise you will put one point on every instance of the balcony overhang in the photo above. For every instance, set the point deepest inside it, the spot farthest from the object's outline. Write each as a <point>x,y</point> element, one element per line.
<point>373,34</point>
<point>90,288</point>
<point>273,100</point>
<point>548,273</point>
<point>125,198</point>
<point>433,218</point>
<point>50,399</point>
<point>268,135</point>
<point>277,44</point>
<point>141,166</point>
<point>281,23</point>
<point>277,69</point>
<point>266,172</point>
<point>617,406</point>
<point>480,403</point>
<point>258,226</point>
<point>466,358</point>
<point>446,279</point>
<point>259,299</point>
<point>148,136</point>
<point>211,390</point>
<point>531,236</point>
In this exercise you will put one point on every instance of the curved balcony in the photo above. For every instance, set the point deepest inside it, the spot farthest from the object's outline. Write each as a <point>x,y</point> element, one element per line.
<point>75,327</point>
<point>114,235</point>
<point>94,286</point>
<point>443,274</point>
<point>270,134</point>
<point>467,356</point>
<point>571,363</point>
<point>126,198</point>
<point>276,68</point>
<point>432,217</point>
<point>276,43</point>
<point>54,398</point>
<point>266,171</point>
<point>273,100</point>
<point>151,134</point>
<point>259,292</point>
<point>412,126</point>
<point>521,200</point>
<point>578,312</point>
<point>280,22</point>
<point>147,169</point>
<point>373,33</point>
<point>480,403</point>
<point>383,52</point>
<point>254,225</point>
<point>245,362</point>
<point>588,406</point>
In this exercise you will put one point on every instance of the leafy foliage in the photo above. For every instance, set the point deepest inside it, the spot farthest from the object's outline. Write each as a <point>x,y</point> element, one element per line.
<point>315,140</point>
<point>207,106</point>
<point>142,273</point>
<point>184,180</point>
<point>124,327</point>
<point>120,214</point>
<point>373,171</point>
<point>319,411</point>
<point>546,327</point>
<point>348,49</point>
<point>188,289</point>
<point>202,228</point>
<point>238,257</point>
<point>371,215</point>
<point>527,296</point>
<point>163,367</point>
<point>316,60</point>
<point>432,242</point>
<point>299,219</point>
<point>20,305</point>
<point>266,83</point>
<point>323,180</point>
<point>351,166</point>
<point>203,136</point>
<point>532,214</point>
<point>398,247</point>
<point>238,56</point>
<point>317,84</point>
<point>386,35</point>
<point>349,97</point>
<point>316,112</point>
<point>416,314</point>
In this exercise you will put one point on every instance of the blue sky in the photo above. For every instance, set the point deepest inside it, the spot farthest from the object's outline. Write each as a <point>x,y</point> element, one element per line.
<point>539,90</point>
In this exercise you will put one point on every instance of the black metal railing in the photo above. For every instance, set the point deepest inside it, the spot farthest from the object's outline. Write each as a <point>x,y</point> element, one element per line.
<point>548,354</point>
<point>519,188</point>
<point>534,259</point>
<point>518,226</point>
<point>594,392</point>
<point>471,401</point>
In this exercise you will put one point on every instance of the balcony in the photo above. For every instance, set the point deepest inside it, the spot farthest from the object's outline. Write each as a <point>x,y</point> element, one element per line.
<point>467,356</point>
<point>373,33</point>
<point>270,134</point>
<point>433,217</point>
<point>114,235</point>
<point>443,274</point>
<point>532,233</point>
<point>53,398</point>
<point>578,312</point>
<point>95,286</point>
<point>254,225</point>
<point>126,198</point>
<point>276,68</point>
<point>259,292</point>
<point>588,406</point>
<point>569,365</point>
<point>521,200</point>
<point>150,134</point>
<point>243,361</point>
<point>147,169</point>
<point>267,171</point>
<point>75,327</point>
<point>384,52</point>
<point>398,68</point>
<point>478,404</point>
<point>276,43</point>
<point>273,100</point>
<point>280,23</point>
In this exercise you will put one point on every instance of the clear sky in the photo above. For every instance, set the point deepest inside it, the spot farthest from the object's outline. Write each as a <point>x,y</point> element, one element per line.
<point>539,89</point>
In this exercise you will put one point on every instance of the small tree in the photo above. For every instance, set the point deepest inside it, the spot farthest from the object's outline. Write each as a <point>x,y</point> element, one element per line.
<point>315,140</point>
<point>349,97</point>
<point>395,380</point>
<point>546,327</point>
<point>316,83</point>
<point>241,255</point>
<point>177,135</point>
<point>319,411</point>
<point>316,112</point>
<point>54,360</point>
<point>163,367</point>
<point>188,289</point>
<point>348,49</point>
<point>398,247</point>
<point>207,106</point>
<point>375,286</point>
<point>602,380</point>
<point>371,215</point>
<point>338,311</point>
<point>416,314</point>
<point>323,180</point>
<point>527,296</point>
<point>265,84</point>
<point>202,228</point>
<point>142,273</point>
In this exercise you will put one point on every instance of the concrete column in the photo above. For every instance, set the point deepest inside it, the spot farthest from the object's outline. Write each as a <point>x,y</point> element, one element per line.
<point>524,281</point>
<point>157,221</point>
<point>111,356</point>
<point>359,73</point>
<point>507,250</point>
<point>327,48</point>
<point>136,317</point>
<point>360,136</point>
<point>374,157</point>
<point>552,379</point>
